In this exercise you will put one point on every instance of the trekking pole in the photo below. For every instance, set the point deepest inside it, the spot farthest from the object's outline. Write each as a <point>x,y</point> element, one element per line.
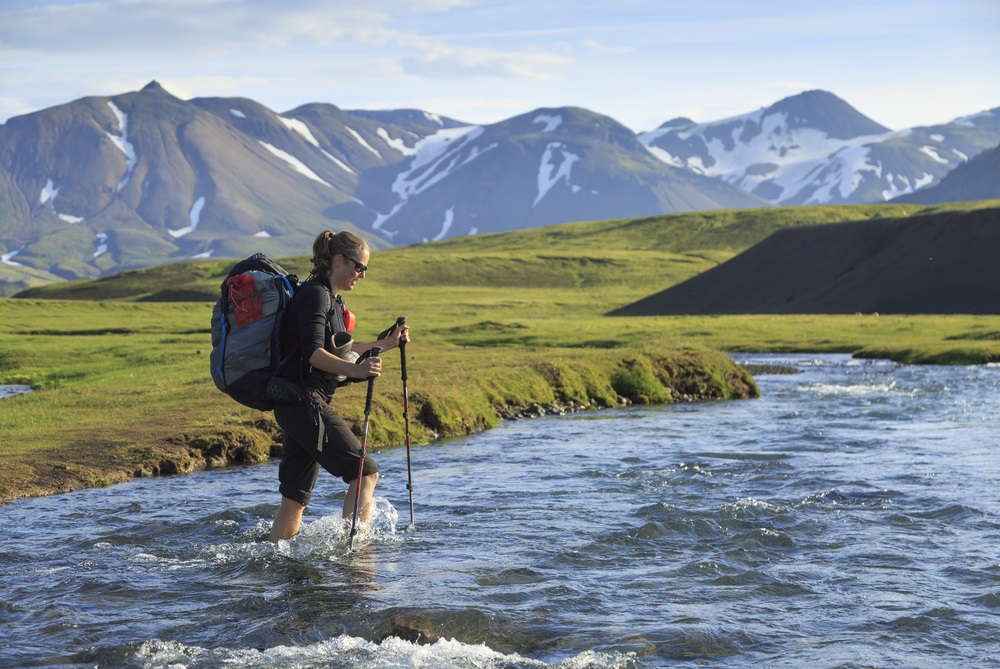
<point>401,321</point>
<point>373,352</point>
<point>406,417</point>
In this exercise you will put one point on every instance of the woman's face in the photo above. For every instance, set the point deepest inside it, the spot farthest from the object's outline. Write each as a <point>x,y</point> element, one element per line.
<point>348,270</point>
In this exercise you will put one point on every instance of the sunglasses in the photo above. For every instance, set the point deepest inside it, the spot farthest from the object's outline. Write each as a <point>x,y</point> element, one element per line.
<point>360,268</point>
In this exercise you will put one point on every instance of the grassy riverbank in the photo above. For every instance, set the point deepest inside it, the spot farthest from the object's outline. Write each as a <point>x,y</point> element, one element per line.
<point>500,323</point>
<point>122,389</point>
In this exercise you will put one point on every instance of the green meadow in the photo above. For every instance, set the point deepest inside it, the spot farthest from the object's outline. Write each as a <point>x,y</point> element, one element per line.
<point>119,365</point>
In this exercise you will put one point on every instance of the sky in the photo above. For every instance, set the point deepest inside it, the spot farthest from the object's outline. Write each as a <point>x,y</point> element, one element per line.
<point>641,62</point>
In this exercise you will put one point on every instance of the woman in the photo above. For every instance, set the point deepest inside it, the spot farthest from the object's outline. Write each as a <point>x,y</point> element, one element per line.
<point>315,435</point>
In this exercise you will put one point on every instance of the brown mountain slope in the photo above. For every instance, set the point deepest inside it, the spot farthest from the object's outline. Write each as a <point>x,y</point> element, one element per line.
<point>936,264</point>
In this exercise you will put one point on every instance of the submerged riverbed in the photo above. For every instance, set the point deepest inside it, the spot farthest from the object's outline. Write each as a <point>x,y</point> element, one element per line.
<point>848,518</point>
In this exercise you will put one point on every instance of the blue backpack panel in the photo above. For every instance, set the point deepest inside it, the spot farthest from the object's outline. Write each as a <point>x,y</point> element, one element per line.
<point>246,329</point>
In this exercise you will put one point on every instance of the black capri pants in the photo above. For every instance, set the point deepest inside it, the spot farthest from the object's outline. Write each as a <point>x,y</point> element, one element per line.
<point>316,435</point>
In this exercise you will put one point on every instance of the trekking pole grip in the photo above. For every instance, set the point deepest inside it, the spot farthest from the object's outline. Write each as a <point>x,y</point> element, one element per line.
<point>401,321</point>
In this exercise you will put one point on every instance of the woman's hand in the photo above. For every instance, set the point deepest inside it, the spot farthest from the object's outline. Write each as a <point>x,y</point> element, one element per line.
<point>398,336</point>
<point>370,367</point>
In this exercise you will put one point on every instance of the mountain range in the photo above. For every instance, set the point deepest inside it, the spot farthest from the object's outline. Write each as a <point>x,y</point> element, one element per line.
<point>814,148</point>
<point>104,184</point>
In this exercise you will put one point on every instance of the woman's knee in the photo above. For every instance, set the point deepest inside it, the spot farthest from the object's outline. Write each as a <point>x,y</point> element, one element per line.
<point>290,504</point>
<point>368,482</point>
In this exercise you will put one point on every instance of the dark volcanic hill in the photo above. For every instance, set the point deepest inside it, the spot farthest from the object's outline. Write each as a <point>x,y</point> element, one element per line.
<point>935,264</point>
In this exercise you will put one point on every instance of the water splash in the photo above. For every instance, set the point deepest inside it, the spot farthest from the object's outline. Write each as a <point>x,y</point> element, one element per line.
<point>329,537</point>
<point>348,652</point>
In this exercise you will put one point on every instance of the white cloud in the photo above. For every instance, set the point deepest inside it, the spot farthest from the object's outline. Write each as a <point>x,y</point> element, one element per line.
<point>431,56</point>
<point>601,48</point>
<point>639,61</point>
<point>197,27</point>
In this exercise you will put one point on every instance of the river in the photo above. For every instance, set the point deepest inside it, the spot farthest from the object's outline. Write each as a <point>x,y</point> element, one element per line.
<point>850,517</point>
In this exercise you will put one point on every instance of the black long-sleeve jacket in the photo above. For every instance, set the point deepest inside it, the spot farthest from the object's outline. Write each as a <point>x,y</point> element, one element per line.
<point>314,317</point>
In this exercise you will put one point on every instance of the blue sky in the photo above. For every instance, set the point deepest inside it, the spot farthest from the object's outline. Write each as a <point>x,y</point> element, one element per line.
<point>641,62</point>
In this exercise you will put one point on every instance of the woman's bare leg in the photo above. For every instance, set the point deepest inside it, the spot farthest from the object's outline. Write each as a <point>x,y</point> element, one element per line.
<point>286,522</point>
<point>365,504</point>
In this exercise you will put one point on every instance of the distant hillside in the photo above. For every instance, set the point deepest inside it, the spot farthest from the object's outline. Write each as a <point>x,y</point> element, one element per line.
<point>933,264</point>
<point>814,148</point>
<point>646,253</point>
<point>978,179</point>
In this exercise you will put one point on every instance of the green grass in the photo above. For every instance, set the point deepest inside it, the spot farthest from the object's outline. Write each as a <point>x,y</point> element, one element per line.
<point>121,379</point>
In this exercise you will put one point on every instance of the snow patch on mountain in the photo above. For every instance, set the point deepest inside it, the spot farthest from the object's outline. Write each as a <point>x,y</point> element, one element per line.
<point>771,151</point>
<point>49,192</point>
<point>930,151</point>
<point>237,113</point>
<point>449,218</point>
<point>301,128</point>
<point>551,122</point>
<point>961,155</point>
<point>361,141</point>
<point>900,184</point>
<point>395,143</point>
<point>264,234</point>
<point>844,174</point>
<point>293,162</point>
<point>665,157</point>
<point>428,166</point>
<point>194,215</point>
<point>203,256</point>
<point>121,141</point>
<point>339,163</point>
<point>434,118</point>
<point>8,258</point>
<point>435,157</point>
<point>549,172</point>
<point>101,243</point>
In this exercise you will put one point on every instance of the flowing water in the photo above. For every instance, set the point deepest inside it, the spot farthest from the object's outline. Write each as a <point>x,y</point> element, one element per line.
<point>848,518</point>
<point>12,389</point>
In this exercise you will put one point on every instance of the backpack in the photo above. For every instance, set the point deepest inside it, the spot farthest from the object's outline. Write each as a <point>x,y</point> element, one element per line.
<point>246,329</point>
